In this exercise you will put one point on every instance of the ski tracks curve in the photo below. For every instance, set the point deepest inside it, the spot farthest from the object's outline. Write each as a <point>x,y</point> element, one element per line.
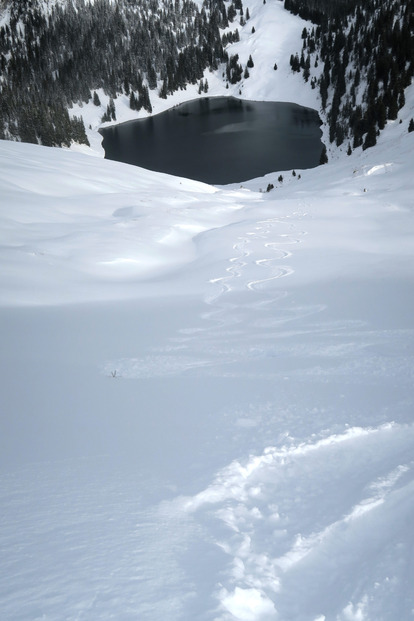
<point>258,261</point>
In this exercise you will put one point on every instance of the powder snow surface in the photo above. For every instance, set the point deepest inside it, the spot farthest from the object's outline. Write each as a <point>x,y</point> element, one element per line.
<point>207,393</point>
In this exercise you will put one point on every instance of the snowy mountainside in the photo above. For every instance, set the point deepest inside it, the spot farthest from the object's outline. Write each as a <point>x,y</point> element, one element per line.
<point>157,55</point>
<point>146,86</point>
<point>276,32</point>
<point>206,393</point>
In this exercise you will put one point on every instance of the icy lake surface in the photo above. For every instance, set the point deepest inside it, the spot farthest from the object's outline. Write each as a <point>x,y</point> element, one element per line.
<point>220,140</point>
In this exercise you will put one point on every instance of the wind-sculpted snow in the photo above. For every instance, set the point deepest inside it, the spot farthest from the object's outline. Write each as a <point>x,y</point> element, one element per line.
<point>298,516</point>
<point>206,393</point>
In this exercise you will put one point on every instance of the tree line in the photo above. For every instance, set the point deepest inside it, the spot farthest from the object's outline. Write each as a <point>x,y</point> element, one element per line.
<point>360,57</point>
<point>51,60</point>
<point>367,58</point>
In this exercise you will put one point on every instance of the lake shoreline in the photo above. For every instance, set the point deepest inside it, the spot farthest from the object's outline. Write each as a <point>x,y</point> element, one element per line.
<point>230,140</point>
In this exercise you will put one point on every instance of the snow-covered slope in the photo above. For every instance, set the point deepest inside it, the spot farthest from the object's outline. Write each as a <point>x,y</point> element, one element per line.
<point>206,393</point>
<point>77,228</point>
<point>206,403</point>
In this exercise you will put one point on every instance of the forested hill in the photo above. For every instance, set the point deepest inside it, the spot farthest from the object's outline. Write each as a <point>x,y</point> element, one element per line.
<point>56,53</point>
<point>319,11</point>
<point>50,59</point>
<point>366,52</point>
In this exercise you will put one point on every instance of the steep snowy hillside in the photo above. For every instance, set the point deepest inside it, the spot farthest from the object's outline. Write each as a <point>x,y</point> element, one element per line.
<point>61,76</point>
<point>276,34</point>
<point>146,62</point>
<point>206,393</point>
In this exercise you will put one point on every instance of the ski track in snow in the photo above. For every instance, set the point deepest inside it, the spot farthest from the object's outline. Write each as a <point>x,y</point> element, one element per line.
<point>262,231</point>
<point>214,345</point>
<point>264,237</point>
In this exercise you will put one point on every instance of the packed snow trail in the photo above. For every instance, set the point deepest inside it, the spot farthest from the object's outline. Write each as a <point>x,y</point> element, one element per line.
<point>301,518</point>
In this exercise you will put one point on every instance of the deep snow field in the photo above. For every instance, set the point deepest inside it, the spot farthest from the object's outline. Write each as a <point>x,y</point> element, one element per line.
<point>206,400</point>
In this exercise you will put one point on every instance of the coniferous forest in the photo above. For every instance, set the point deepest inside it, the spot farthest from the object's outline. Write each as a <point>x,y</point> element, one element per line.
<point>50,60</point>
<point>366,50</point>
<point>359,55</point>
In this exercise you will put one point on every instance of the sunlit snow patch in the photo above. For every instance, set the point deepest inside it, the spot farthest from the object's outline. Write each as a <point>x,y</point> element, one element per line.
<point>247,604</point>
<point>379,169</point>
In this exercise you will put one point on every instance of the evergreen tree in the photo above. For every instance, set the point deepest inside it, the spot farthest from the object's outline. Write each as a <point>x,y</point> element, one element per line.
<point>111,109</point>
<point>393,107</point>
<point>151,76</point>
<point>306,70</point>
<point>231,12</point>
<point>26,126</point>
<point>323,90</point>
<point>324,156</point>
<point>78,131</point>
<point>144,100</point>
<point>164,89</point>
<point>106,117</point>
<point>371,137</point>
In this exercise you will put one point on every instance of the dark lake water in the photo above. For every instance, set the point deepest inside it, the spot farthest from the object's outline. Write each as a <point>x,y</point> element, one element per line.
<point>219,140</point>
